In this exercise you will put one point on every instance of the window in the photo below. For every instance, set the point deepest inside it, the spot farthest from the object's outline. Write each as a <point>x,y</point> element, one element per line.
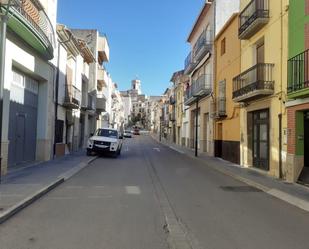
<point>221,104</point>
<point>222,89</point>
<point>107,133</point>
<point>223,46</point>
<point>23,81</point>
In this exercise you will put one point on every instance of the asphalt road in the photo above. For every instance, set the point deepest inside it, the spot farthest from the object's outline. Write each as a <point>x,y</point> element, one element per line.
<point>125,203</point>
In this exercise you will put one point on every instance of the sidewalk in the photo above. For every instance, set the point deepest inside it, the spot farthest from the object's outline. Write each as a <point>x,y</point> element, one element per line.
<point>21,187</point>
<point>293,193</point>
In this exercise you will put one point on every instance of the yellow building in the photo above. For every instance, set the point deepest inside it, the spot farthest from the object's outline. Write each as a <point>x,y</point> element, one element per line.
<point>227,123</point>
<point>199,68</point>
<point>179,80</point>
<point>260,88</point>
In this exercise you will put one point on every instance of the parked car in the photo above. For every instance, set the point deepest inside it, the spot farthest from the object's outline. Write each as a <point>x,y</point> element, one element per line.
<point>127,134</point>
<point>136,132</point>
<point>105,141</point>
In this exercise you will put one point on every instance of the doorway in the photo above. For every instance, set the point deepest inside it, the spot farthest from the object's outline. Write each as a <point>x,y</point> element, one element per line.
<point>206,130</point>
<point>306,139</point>
<point>260,139</point>
<point>22,132</point>
<point>218,142</point>
<point>82,131</point>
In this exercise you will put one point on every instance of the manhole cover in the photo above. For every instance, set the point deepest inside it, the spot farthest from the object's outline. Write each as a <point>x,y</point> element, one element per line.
<point>241,189</point>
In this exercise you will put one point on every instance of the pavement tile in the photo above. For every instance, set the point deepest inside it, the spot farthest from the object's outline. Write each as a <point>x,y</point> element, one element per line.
<point>298,193</point>
<point>20,184</point>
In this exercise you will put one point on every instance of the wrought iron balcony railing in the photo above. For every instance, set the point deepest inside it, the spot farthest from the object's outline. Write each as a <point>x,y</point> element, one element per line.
<point>202,46</point>
<point>33,14</point>
<point>101,102</point>
<point>254,16</point>
<point>221,107</point>
<point>199,88</point>
<point>91,102</point>
<point>72,97</point>
<point>172,116</point>
<point>255,82</point>
<point>188,61</point>
<point>298,75</point>
<point>172,100</point>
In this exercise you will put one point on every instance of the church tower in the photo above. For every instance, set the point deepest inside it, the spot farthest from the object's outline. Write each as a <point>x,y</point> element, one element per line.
<point>136,85</point>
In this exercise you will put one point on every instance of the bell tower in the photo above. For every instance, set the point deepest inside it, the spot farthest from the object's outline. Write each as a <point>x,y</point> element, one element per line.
<point>136,85</point>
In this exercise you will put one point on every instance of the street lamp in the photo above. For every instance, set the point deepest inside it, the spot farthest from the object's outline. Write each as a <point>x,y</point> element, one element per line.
<point>4,17</point>
<point>196,125</point>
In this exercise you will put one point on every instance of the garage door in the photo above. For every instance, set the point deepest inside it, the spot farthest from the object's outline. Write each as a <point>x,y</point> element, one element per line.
<point>23,119</point>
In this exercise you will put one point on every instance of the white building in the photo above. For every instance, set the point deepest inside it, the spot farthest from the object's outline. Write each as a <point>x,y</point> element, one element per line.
<point>75,105</point>
<point>127,105</point>
<point>150,103</point>
<point>117,109</point>
<point>29,77</point>
<point>99,79</point>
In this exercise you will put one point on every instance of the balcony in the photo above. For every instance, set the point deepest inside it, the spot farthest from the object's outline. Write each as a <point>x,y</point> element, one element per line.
<point>189,65</point>
<point>298,76</point>
<point>102,78</point>
<point>103,49</point>
<point>89,103</point>
<point>202,46</point>
<point>254,83</point>
<point>30,22</point>
<point>101,102</point>
<point>172,100</point>
<point>221,107</point>
<point>254,16</point>
<point>72,99</point>
<point>198,89</point>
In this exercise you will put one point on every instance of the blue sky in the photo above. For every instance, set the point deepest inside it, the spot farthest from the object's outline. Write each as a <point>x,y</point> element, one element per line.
<point>147,38</point>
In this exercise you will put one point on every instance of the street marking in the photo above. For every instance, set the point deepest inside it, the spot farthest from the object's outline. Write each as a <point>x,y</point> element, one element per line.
<point>126,149</point>
<point>157,149</point>
<point>133,190</point>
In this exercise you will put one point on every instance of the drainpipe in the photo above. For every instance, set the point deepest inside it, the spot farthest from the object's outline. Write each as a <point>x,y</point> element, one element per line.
<point>57,86</point>
<point>160,129</point>
<point>56,100</point>
<point>196,128</point>
<point>281,91</point>
<point>4,20</point>
<point>280,145</point>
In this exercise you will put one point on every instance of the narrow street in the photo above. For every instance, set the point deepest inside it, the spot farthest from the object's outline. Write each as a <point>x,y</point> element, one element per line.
<point>124,203</point>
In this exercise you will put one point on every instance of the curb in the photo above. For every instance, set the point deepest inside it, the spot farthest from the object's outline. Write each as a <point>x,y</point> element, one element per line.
<point>27,201</point>
<point>37,195</point>
<point>288,198</point>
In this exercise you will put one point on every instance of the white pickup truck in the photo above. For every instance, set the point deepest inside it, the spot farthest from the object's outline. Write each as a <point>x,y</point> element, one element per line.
<point>105,140</point>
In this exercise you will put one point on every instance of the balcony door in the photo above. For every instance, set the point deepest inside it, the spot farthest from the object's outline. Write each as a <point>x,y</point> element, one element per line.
<point>260,139</point>
<point>260,58</point>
